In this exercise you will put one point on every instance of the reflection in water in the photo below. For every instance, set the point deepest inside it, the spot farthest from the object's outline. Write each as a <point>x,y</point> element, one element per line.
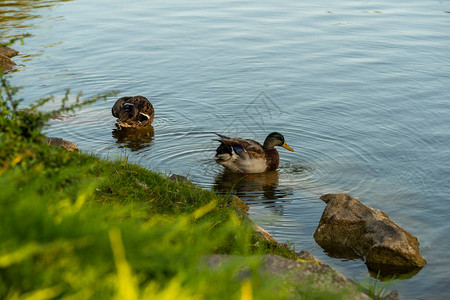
<point>14,14</point>
<point>134,139</point>
<point>379,271</point>
<point>261,188</point>
<point>386,273</point>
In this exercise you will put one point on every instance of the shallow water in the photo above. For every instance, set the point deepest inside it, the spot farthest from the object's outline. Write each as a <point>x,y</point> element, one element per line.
<point>358,89</point>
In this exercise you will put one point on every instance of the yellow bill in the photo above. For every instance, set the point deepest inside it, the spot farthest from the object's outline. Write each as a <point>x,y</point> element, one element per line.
<point>287,147</point>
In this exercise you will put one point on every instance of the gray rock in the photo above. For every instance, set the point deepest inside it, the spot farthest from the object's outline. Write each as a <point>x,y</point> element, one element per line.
<point>59,142</point>
<point>303,274</point>
<point>346,223</point>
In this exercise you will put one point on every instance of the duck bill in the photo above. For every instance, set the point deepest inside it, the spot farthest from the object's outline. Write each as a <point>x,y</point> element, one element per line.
<point>287,147</point>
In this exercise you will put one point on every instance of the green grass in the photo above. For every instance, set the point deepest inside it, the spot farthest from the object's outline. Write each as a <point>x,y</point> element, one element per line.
<point>376,288</point>
<point>64,232</point>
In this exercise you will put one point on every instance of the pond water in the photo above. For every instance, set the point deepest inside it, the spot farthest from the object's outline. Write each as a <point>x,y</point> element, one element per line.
<point>360,90</point>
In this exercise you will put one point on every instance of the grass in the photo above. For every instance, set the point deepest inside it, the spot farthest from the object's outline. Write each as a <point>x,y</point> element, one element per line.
<point>65,233</point>
<point>375,288</point>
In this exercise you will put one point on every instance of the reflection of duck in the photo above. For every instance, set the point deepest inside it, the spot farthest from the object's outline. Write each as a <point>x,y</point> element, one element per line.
<point>248,156</point>
<point>133,112</point>
<point>263,186</point>
<point>135,139</point>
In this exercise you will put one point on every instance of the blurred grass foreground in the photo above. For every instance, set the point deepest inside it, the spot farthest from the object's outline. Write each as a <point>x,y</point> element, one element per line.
<point>73,226</point>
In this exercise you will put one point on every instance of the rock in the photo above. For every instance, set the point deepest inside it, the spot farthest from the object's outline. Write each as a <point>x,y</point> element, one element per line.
<point>304,255</point>
<point>8,52</point>
<point>239,205</point>
<point>180,179</point>
<point>241,209</point>
<point>260,232</point>
<point>303,274</point>
<point>6,64</point>
<point>59,142</point>
<point>392,296</point>
<point>347,224</point>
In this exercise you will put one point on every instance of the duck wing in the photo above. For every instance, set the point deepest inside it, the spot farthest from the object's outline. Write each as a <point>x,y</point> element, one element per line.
<point>140,102</point>
<point>145,109</point>
<point>245,148</point>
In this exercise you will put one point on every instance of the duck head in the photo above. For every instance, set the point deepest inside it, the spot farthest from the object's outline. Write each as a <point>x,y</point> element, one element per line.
<point>276,139</point>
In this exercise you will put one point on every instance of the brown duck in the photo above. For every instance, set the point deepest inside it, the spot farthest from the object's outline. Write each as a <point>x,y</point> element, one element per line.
<point>133,112</point>
<point>248,156</point>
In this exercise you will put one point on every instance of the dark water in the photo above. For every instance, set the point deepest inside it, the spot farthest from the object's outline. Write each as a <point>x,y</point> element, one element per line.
<point>359,89</point>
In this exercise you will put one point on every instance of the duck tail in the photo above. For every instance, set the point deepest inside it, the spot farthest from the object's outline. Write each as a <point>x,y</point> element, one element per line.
<point>220,135</point>
<point>223,152</point>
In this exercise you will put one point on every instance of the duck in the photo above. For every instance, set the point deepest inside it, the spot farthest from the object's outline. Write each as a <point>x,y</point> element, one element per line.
<point>133,112</point>
<point>248,156</point>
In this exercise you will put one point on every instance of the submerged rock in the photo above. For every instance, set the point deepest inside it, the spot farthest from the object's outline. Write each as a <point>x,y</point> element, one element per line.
<point>392,296</point>
<point>59,142</point>
<point>8,52</point>
<point>180,178</point>
<point>347,224</point>
<point>6,64</point>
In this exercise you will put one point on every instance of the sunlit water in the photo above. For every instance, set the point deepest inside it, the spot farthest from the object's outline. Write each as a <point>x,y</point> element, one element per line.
<point>360,90</point>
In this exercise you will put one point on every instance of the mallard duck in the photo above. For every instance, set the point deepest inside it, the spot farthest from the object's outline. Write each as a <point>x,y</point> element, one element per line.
<point>133,112</point>
<point>248,156</point>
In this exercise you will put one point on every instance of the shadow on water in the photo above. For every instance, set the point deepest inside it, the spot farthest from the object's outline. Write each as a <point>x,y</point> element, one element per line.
<point>134,139</point>
<point>262,188</point>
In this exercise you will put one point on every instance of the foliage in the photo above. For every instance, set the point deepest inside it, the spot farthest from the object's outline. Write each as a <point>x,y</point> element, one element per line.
<point>27,123</point>
<point>79,247</point>
<point>14,39</point>
<point>20,127</point>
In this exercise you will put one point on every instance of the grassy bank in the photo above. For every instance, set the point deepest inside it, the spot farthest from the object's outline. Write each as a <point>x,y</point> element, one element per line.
<point>73,226</point>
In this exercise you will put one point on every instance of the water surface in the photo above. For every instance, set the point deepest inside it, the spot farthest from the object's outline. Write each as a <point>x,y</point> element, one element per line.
<point>358,89</point>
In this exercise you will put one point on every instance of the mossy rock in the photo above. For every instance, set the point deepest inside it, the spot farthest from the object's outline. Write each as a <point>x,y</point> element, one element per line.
<point>6,64</point>
<point>8,52</point>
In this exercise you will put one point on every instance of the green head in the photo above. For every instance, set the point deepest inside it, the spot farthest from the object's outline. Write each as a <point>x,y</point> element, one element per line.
<point>276,139</point>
